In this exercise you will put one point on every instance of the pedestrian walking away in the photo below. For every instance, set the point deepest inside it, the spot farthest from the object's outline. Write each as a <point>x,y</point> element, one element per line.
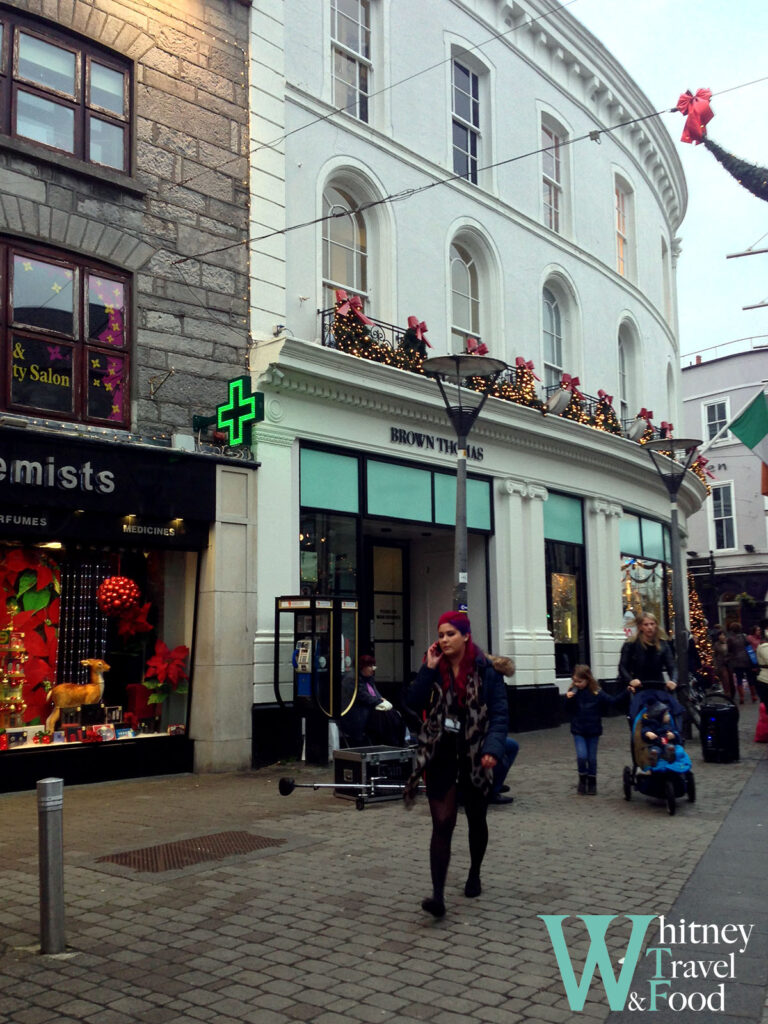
<point>587,703</point>
<point>464,701</point>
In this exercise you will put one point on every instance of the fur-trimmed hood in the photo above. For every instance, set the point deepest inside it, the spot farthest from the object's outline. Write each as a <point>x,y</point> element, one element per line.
<point>503,665</point>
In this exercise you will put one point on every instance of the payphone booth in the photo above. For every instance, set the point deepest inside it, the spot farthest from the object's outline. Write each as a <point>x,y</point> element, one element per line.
<point>316,664</point>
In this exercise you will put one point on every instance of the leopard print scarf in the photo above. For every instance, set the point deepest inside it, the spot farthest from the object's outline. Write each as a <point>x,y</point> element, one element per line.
<point>442,703</point>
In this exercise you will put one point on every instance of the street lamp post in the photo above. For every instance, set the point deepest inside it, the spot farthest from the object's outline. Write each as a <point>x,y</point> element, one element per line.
<point>455,369</point>
<point>672,457</point>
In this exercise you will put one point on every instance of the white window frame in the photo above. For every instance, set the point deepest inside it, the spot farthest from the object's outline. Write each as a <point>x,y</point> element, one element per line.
<point>722,485</point>
<point>359,57</point>
<point>553,369</point>
<point>460,332</point>
<point>552,192</point>
<point>361,283</point>
<point>623,222</point>
<point>725,438</point>
<point>623,358</point>
<point>471,126</point>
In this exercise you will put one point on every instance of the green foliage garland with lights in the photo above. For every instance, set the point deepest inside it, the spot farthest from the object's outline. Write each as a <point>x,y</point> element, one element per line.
<point>699,629</point>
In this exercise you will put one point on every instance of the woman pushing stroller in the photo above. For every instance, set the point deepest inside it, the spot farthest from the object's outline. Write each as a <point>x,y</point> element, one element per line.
<point>643,663</point>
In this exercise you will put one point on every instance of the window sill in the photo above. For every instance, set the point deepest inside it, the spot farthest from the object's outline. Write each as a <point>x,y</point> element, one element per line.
<point>64,162</point>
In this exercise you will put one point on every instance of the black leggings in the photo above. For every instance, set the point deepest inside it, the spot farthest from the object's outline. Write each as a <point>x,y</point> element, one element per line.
<point>443,794</point>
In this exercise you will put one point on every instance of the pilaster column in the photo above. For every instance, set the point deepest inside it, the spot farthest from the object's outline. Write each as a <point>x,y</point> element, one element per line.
<point>604,586</point>
<point>277,554</point>
<point>521,589</point>
<point>220,720</point>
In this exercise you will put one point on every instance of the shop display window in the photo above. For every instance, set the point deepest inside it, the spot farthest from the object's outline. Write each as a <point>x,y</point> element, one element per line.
<point>328,554</point>
<point>642,589</point>
<point>94,647</point>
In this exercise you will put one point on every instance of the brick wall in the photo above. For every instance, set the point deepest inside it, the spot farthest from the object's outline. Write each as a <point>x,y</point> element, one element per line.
<point>187,194</point>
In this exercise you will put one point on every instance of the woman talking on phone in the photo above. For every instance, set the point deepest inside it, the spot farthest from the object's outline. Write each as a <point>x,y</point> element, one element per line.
<point>465,704</point>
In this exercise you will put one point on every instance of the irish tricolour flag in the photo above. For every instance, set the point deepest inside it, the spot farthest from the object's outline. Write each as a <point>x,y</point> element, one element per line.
<point>751,428</point>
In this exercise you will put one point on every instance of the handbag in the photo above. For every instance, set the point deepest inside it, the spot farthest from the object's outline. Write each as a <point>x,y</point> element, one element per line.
<point>751,653</point>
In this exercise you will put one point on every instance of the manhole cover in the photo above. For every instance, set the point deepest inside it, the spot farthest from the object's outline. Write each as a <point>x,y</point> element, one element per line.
<point>186,852</point>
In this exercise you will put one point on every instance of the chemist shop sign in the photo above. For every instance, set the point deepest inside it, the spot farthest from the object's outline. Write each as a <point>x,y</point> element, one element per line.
<point>41,472</point>
<point>686,965</point>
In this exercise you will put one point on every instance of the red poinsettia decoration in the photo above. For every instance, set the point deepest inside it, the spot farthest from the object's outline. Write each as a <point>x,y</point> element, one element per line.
<point>134,620</point>
<point>166,666</point>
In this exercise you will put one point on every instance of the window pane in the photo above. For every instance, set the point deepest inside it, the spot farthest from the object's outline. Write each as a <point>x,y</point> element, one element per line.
<point>41,375</point>
<point>399,492</point>
<point>108,88</point>
<point>329,481</point>
<point>562,519</point>
<point>46,64</point>
<point>44,121</point>
<point>629,535</point>
<point>42,295</point>
<point>106,144</point>
<point>106,311</point>
<point>653,540</point>
<point>106,387</point>
<point>478,502</point>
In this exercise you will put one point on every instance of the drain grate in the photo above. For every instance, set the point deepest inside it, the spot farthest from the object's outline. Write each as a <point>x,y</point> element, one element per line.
<point>186,852</point>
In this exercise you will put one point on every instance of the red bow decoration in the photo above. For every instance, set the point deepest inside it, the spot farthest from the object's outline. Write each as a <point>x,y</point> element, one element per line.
<point>608,399</point>
<point>646,414</point>
<point>570,384</point>
<point>666,428</point>
<point>521,364</point>
<point>697,114</point>
<point>351,305</point>
<point>703,464</point>
<point>420,329</point>
<point>476,348</point>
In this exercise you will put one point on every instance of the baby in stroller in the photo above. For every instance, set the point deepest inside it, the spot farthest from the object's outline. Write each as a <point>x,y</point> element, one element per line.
<point>656,740</point>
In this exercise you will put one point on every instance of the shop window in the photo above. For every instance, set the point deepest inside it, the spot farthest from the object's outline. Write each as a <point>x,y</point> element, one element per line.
<point>478,502</point>
<point>64,334</point>
<point>566,581</point>
<point>64,93</point>
<point>399,492</point>
<point>56,614</point>
<point>329,481</point>
<point>328,554</point>
<point>351,56</point>
<point>642,589</point>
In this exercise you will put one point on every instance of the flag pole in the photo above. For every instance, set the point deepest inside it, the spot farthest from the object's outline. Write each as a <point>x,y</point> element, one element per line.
<point>733,419</point>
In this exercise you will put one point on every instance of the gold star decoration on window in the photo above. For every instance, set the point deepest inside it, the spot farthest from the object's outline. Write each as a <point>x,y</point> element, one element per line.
<point>96,364</point>
<point>56,287</point>
<point>27,265</point>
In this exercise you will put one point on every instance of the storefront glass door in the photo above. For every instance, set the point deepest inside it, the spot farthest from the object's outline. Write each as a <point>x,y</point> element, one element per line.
<point>389,613</point>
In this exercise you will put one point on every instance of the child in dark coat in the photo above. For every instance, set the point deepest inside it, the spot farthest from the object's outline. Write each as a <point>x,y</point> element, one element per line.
<point>587,703</point>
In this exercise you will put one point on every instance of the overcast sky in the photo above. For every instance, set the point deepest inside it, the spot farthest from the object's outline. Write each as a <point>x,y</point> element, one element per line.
<point>670,47</point>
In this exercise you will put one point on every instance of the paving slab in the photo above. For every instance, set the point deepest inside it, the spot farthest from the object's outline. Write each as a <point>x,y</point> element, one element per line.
<point>326,927</point>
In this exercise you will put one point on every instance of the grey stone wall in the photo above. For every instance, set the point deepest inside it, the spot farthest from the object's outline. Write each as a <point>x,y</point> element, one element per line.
<point>179,221</point>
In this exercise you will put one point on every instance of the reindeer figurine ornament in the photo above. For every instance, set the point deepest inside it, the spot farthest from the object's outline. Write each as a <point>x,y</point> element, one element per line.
<point>73,695</point>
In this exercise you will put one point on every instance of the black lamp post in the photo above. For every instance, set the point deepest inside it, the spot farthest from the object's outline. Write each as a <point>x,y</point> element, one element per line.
<point>672,457</point>
<point>455,369</point>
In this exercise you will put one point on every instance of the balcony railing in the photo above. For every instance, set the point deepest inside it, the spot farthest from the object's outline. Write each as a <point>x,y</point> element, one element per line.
<point>382,342</point>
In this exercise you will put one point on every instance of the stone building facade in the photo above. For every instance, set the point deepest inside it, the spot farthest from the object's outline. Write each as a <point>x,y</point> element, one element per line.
<point>124,165</point>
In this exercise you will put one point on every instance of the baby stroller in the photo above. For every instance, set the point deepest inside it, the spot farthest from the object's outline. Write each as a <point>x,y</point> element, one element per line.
<point>661,768</point>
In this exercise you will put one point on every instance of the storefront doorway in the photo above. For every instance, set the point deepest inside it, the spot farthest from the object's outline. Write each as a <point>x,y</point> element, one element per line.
<point>388,611</point>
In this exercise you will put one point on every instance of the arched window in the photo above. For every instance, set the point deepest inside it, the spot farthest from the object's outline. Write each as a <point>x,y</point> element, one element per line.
<point>623,392</point>
<point>552,338</point>
<point>345,252</point>
<point>465,298</point>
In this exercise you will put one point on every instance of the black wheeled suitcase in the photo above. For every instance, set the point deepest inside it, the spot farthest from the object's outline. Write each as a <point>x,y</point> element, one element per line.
<point>719,729</point>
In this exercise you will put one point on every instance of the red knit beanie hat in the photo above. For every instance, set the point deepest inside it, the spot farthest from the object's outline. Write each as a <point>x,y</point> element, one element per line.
<point>460,620</point>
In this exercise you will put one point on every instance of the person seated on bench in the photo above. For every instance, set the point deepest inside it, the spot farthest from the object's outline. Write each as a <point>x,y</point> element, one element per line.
<point>372,719</point>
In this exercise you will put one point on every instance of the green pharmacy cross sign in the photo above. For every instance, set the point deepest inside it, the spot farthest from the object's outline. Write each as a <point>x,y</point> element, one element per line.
<point>241,411</point>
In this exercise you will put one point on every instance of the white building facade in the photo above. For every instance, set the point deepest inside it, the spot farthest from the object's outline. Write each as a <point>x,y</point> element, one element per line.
<point>470,182</point>
<point>728,542</point>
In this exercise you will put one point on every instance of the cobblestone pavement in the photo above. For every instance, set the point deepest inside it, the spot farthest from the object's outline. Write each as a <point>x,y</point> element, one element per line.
<point>327,927</point>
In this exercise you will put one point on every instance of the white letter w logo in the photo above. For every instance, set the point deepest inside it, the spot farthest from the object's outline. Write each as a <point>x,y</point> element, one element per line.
<point>597,925</point>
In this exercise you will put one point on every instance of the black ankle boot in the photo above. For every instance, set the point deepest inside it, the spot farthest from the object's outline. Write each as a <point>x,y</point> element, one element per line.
<point>582,786</point>
<point>473,887</point>
<point>434,907</point>
<point>591,785</point>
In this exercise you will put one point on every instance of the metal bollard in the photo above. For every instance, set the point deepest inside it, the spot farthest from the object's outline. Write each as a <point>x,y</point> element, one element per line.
<point>50,813</point>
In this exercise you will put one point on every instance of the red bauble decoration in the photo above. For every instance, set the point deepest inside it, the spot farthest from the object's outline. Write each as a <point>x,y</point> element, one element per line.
<point>116,595</point>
